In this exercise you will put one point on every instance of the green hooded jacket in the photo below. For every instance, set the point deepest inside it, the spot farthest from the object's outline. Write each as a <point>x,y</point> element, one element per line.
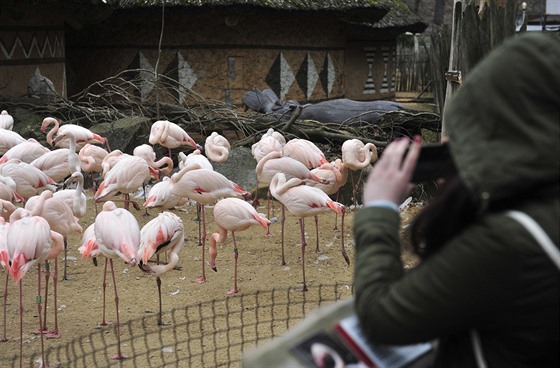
<point>504,135</point>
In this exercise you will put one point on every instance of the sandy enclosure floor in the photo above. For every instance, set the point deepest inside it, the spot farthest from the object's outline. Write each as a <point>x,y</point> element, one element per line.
<point>80,298</point>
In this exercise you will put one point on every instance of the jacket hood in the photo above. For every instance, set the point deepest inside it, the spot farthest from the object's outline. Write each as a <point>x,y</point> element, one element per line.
<point>503,122</point>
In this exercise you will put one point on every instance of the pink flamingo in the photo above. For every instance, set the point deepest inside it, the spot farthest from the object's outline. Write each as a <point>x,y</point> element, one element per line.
<point>305,152</point>
<point>164,164</point>
<point>303,201</point>
<point>333,179</point>
<point>118,236</point>
<point>54,164</point>
<point>273,163</point>
<point>357,156</point>
<point>195,157</point>
<point>232,214</point>
<point>111,160</point>
<point>8,190</point>
<point>270,141</point>
<point>163,234</point>
<point>160,196</point>
<point>30,241</point>
<point>128,174</point>
<point>6,120</point>
<point>62,220</point>
<point>170,135</point>
<point>26,151</point>
<point>59,135</point>
<point>204,187</point>
<point>217,147</point>
<point>89,248</point>
<point>29,179</point>
<point>9,139</point>
<point>90,157</point>
<point>75,198</point>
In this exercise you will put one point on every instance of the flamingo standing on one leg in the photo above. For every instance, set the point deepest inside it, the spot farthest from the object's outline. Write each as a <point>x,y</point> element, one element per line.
<point>302,201</point>
<point>165,233</point>
<point>232,214</point>
<point>204,187</point>
<point>30,241</point>
<point>170,135</point>
<point>118,236</point>
<point>357,156</point>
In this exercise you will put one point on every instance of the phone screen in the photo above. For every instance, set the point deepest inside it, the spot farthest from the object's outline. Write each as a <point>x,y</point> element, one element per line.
<point>434,162</point>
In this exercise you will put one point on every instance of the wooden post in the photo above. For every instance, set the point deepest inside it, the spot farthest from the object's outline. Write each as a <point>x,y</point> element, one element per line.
<point>453,76</point>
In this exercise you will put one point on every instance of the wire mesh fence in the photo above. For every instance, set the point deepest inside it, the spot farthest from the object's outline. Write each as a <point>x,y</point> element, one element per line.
<point>208,334</point>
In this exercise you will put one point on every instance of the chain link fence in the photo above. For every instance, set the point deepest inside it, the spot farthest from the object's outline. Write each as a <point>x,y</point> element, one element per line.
<point>208,334</point>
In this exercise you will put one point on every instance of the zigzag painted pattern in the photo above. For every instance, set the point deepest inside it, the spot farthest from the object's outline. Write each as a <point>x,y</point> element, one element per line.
<point>34,49</point>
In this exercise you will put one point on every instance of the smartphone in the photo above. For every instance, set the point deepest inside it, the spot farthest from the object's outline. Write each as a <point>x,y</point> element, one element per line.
<point>434,162</point>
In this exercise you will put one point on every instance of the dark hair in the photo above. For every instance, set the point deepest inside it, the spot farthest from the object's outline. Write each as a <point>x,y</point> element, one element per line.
<point>449,212</point>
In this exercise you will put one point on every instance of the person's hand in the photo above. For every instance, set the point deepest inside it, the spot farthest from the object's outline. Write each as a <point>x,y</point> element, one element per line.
<point>389,180</point>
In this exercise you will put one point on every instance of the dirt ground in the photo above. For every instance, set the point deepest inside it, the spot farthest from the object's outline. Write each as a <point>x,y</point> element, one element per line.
<point>80,298</point>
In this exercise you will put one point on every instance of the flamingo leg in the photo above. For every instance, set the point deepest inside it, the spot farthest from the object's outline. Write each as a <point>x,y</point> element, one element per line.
<point>336,214</point>
<point>344,254</point>
<point>5,337</point>
<point>283,221</point>
<point>358,185</point>
<point>202,279</point>
<point>43,328</point>
<point>317,250</point>
<point>21,324</point>
<point>235,290</point>
<point>65,278</point>
<point>104,321</point>
<point>303,244</point>
<point>54,333</point>
<point>119,355</point>
<point>354,188</point>
<point>268,233</point>
<point>39,301</point>
<point>256,200</point>
<point>198,210</point>
<point>160,315</point>
<point>144,191</point>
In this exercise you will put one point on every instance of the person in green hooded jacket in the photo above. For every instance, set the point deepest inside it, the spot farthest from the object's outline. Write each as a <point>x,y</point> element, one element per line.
<point>483,279</point>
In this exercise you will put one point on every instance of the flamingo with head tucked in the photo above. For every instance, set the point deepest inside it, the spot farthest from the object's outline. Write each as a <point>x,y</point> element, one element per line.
<point>305,152</point>
<point>6,120</point>
<point>26,151</point>
<point>118,236</point>
<point>217,147</point>
<point>128,174</point>
<point>163,234</point>
<point>9,139</point>
<point>357,156</point>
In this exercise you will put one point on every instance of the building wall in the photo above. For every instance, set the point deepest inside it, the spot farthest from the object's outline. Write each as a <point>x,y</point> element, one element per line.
<point>30,43</point>
<point>222,55</point>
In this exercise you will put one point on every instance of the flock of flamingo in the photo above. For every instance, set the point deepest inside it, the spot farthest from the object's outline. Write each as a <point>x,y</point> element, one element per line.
<point>38,210</point>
